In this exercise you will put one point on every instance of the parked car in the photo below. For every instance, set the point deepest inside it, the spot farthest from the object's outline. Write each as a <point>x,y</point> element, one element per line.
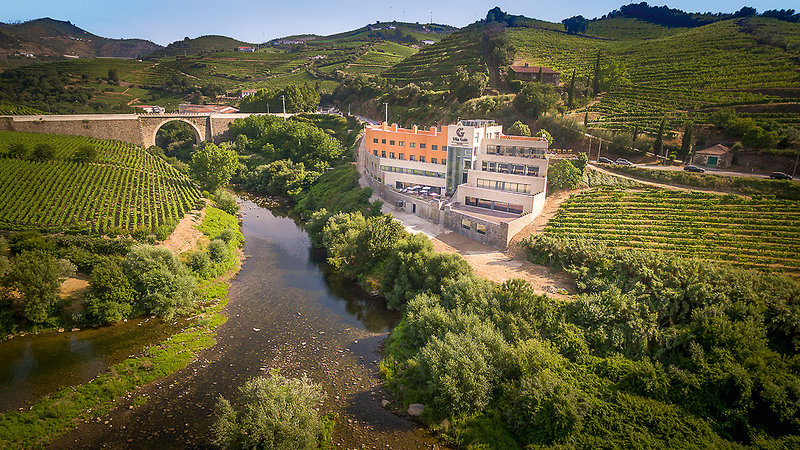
<point>604,160</point>
<point>623,162</point>
<point>780,176</point>
<point>691,168</point>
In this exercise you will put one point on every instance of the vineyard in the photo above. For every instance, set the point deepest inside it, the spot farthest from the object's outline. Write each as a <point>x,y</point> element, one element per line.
<point>729,63</point>
<point>126,188</point>
<point>752,233</point>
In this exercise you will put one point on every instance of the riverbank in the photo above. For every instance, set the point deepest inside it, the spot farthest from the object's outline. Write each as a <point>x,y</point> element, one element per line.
<point>70,407</point>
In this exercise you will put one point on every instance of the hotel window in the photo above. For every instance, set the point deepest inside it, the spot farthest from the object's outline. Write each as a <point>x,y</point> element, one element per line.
<point>502,167</point>
<point>412,158</point>
<point>444,161</point>
<point>480,228</point>
<point>391,142</point>
<point>383,153</point>
<point>533,171</point>
<point>466,224</point>
<point>471,201</point>
<point>433,160</point>
<point>517,169</point>
<point>401,156</point>
<point>375,152</point>
<point>412,144</point>
<point>444,148</point>
<point>434,147</point>
<point>491,149</point>
<point>421,159</point>
<point>421,145</point>
<point>391,155</point>
<point>375,140</point>
<point>525,152</point>
<point>383,141</point>
<point>401,143</point>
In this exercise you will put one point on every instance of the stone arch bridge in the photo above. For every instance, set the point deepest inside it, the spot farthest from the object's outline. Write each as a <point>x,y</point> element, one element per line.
<point>139,129</point>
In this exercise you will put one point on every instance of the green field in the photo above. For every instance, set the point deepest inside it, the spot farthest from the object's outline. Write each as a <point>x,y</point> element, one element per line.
<point>751,233</point>
<point>126,188</point>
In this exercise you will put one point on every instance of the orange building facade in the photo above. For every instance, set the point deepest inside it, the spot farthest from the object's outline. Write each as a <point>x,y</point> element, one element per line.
<point>421,145</point>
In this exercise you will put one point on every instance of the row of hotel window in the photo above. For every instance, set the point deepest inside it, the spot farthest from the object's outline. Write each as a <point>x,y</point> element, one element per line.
<point>402,156</point>
<point>519,152</point>
<point>424,173</point>
<point>410,144</point>
<point>504,186</point>
<point>490,204</point>
<point>515,169</point>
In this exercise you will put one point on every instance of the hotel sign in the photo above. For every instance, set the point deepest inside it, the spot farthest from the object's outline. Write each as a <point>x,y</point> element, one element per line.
<point>458,136</point>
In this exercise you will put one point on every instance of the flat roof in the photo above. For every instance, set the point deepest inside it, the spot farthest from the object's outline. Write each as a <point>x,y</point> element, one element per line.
<point>488,215</point>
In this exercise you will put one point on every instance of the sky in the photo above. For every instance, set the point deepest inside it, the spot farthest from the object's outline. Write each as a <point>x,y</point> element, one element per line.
<point>165,21</point>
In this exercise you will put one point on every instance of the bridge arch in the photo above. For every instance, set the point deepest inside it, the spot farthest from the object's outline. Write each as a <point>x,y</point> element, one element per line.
<point>198,133</point>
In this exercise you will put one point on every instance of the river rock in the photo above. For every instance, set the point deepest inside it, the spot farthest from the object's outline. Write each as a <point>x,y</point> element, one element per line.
<point>416,409</point>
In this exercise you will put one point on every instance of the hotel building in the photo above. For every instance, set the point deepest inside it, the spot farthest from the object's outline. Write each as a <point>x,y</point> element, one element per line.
<point>469,177</point>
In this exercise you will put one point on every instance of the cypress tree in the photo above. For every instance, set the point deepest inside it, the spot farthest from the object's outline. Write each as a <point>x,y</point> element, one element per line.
<point>596,82</point>
<point>540,75</point>
<point>571,90</point>
<point>635,132</point>
<point>686,144</point>
<point>586,119</point>
<point>658,145</point>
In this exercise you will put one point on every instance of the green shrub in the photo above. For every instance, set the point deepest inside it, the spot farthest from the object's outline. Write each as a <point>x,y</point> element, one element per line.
<point>111,297</point>
<point>272,412</point>
<point>225,201</point>
<point>164,286</point>
<point>218,250</point>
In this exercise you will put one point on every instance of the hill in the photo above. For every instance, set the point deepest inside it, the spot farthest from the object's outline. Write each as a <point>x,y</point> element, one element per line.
<point>125,187</point>
<point>200,44</point>
<point>49,38</point>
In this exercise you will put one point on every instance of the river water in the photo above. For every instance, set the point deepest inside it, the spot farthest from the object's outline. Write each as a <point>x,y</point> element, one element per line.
<point>286,312</point>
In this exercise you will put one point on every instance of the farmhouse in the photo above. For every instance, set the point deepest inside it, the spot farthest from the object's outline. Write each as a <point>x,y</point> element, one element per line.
<point>469,177</point>
<point>246,92</point>
<point>245,49</point>
<point>532,73</point>
<point>428,42</point>
<point>716,156</point>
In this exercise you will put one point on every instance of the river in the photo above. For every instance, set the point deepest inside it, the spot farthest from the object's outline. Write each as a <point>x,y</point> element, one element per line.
<point>286,312</point>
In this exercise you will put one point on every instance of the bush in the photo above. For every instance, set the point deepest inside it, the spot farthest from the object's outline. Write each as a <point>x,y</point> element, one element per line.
<point>164,286</point>
<point>43,152</point>
<point>85,154</point>
<point>37,277</point>
<point>18,150</point>
<point>225,201</point>
<point>271,413</point>
<point>563,175</point>
<point>200,263</point>
<point>111,297</point>
<point>218,250</point>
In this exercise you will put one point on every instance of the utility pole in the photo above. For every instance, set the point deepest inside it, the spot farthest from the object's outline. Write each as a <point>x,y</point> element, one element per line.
<point>795,163</point>
<point>283,100</point>
<point>386,114</point>
<point>348,109</point>
<point>599,147</point>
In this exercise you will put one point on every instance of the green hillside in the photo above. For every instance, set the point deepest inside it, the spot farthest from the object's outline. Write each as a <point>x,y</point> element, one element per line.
<point>200,44</point>
<point>722,64</point>
<point>124,187</point>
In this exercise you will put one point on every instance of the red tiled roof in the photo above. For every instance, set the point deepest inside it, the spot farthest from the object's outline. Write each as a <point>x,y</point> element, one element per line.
<point>533,69</point>
<point>718,149</point>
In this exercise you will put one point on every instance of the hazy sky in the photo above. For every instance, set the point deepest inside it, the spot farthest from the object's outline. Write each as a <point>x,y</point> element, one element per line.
<point>165,21</point>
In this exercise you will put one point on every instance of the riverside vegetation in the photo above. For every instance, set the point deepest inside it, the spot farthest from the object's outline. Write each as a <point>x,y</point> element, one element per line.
<point>657,349</point>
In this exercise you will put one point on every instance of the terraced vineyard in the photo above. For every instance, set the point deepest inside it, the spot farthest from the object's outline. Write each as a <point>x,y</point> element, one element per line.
<point>752,233</point>
<point>727,63</point>
<point>127,187</point>
<point>7,109</point>
<point>437,62</point>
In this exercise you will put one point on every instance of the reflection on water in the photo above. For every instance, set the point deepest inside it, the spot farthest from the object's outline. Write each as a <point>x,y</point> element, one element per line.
<point>35,365</point>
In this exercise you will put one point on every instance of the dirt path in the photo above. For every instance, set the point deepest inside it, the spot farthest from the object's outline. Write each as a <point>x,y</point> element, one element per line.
<point>497,266</point>
<point>186,234</point>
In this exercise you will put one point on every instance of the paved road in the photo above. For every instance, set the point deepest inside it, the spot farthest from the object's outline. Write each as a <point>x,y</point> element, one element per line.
<point>729,173</point>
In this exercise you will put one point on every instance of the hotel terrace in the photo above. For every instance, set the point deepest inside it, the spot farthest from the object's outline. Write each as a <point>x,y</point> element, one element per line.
<point>469,177</point>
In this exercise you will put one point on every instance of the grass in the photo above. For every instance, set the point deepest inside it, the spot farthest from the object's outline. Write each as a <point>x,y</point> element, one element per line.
<point>751,233</point>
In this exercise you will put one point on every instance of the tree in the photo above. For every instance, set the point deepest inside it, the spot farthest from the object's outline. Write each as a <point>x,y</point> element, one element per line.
<point>37,276</point>
<point>113,76</point>
<point>596,80</point>
<point>581,162</point>
<point>586,119</point>
<point>271,413</point>
<point>43,152</point>
<point>85,154</point>
<point>465,85</point>
<point>686,143</point>
<point>571,91</point>
<point>545,134</point>
<point>164,286</point>
<point>518,129</point>
<point>111,297</point>
<point>214,165</point>
<point>18,150</point>
<point>535,99</point>
<point>563,175</point>
<point>658,145</point>
<point>575,24</point>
